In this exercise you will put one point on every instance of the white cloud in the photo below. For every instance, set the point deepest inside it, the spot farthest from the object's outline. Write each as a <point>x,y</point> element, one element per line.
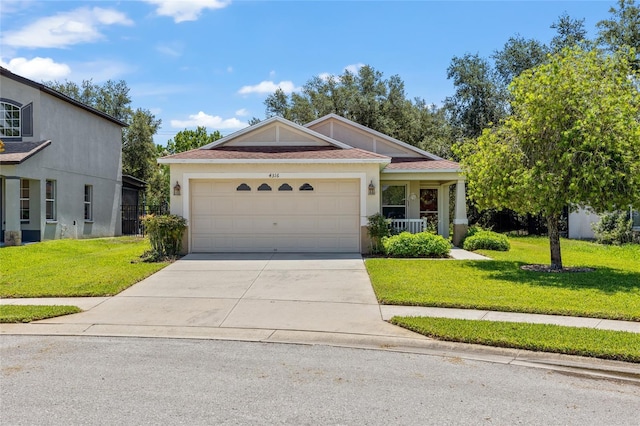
<point>266,87</point>
<point>242,112</point>
<point>186,10</point>
<point>65,29</point>
<point>170,49</point>
<point>38,69</point>
<point>353,68</point>
<point>209,121</point>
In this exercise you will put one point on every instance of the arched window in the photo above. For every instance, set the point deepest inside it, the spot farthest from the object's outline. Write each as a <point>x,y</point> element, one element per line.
<point>10,126</point>
<point>306,187</point>
<point>16,120</point>
<point>264,187</point>
<point>285,187</point>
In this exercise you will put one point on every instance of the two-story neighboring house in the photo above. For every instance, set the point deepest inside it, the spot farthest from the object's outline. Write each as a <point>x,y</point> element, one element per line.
<point>61,170</point>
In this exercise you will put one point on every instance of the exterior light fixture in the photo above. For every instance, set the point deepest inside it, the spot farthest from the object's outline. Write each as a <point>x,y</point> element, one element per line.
<point>176,189</point>
<point>372,188</point>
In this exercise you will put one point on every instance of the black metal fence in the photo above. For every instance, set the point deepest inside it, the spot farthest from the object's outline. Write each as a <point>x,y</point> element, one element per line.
<point>132,217</point>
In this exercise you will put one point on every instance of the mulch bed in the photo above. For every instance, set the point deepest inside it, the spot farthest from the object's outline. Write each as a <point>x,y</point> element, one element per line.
<point>548,268</point>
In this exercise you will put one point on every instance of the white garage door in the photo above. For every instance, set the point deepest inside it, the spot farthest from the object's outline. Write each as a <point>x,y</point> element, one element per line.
<point>313,215</point>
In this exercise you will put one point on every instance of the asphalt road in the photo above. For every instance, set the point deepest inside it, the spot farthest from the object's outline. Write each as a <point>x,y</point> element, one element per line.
<point>92,380</point>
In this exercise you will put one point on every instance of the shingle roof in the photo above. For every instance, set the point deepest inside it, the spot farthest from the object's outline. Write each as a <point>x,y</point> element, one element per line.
<point>277,153</point>
<point>17,152</point>
<point>420,163</point>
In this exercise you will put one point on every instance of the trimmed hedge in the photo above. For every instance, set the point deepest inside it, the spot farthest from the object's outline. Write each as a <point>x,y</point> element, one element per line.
<point>487,240</point>
<point>423,244</point>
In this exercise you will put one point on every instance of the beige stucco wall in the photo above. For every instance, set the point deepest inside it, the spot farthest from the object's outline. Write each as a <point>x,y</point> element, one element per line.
<point>365,172</point>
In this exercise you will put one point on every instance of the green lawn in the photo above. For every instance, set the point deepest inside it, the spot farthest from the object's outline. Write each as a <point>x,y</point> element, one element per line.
<point>618,345</point>
<point>28,313</point>
<point>611,291</point>
<point>66,268</point>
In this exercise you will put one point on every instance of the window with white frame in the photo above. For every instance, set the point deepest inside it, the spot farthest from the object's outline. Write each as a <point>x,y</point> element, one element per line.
<point>10,120</point>
<point>50,200</point>
<point>88,202</point>
<point>25,203</point>
<point>394,201</point>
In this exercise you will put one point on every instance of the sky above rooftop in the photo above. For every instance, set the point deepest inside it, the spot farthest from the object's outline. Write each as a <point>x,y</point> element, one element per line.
<point>213,62</point>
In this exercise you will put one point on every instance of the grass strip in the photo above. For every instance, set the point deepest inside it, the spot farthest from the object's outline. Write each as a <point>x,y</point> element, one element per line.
<point>74,268</point>
<point>611,291</point>
<point>606,344</point>
<point>28,313</point>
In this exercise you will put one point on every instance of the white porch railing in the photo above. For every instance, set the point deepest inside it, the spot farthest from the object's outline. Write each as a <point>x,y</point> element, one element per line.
<point>413,226</point>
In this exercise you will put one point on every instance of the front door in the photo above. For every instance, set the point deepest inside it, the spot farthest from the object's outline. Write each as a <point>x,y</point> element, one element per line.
<point>429,207</point>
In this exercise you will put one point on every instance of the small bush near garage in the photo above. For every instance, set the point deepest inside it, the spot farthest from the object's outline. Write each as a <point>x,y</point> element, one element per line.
<point>378,228</point>
<point>487,240</point>
<point>424,244</point>
<point>165,235</point>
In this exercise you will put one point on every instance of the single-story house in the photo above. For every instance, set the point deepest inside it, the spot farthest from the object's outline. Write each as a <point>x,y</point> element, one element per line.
<point>279,186</point>
<point>61,170</point>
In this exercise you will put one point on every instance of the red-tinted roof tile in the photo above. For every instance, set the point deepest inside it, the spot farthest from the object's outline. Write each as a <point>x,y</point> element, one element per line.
<point>276,153</point>
<point>419,163</point>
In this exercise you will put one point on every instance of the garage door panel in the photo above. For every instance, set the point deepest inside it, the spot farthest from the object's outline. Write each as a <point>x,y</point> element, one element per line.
<point>325,219</point>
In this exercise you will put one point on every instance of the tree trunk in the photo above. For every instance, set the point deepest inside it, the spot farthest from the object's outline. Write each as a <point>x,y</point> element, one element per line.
<point>553,225</point>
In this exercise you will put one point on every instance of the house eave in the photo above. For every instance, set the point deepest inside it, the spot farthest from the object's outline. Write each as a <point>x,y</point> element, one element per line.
<point>383,161</point>
<point>414,171</point>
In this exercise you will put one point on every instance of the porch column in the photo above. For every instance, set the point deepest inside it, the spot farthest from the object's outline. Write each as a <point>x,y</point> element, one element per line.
<point>443,211</point>
<point>460,222</point>
<point>12,232</point>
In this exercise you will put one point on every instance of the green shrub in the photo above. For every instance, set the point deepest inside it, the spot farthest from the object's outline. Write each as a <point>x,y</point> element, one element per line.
<point>165,234</point>
<point>377,228</point>
<point>487,240</point>
<point>424,244</point>
<point>614,228</point>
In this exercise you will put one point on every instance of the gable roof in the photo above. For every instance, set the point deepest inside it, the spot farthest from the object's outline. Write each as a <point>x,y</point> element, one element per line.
<point>375,133</point>
<point>6,73</point>
<point>275,121</point>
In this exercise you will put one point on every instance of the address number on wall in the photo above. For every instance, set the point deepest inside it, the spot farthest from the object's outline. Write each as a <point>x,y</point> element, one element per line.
<point>274,175</point>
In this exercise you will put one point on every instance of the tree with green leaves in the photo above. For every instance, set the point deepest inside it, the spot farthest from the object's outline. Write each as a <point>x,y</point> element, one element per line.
<point>569,32</point>
<point>622,31</point>
<point>139,154</point>
<point>186,139</point>
<point>518,54</point>
<point>573,139</point>
<point>112,97</point>
<point>478,101</point>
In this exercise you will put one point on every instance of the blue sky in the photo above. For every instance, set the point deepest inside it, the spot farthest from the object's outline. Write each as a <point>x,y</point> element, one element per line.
<point>213,62</point>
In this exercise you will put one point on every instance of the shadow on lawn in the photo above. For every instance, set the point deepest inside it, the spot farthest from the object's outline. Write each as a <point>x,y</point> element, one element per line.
<point>607,280</point>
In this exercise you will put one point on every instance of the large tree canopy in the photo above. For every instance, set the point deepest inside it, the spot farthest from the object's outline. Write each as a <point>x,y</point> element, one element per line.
<point>573,139</point>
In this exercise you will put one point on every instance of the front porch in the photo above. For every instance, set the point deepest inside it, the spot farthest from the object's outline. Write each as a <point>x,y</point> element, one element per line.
<point>424,205</point>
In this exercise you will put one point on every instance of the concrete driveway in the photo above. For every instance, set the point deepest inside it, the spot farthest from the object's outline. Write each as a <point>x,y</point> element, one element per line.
<point>257,293</point>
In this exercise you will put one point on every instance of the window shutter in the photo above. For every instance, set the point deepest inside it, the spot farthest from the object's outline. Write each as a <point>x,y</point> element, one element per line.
<point>26,113</point>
